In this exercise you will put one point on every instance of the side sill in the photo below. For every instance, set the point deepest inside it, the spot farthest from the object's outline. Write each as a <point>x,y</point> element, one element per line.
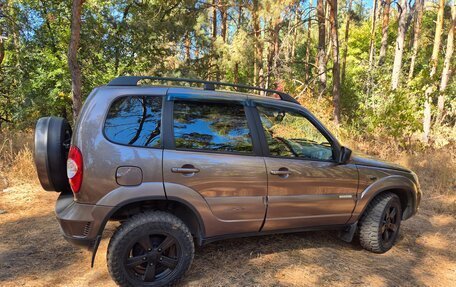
<point>282,231</point>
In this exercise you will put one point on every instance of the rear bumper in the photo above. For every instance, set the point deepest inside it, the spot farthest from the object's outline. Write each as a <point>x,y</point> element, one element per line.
<point>79,223</point>
<point>85,243</point>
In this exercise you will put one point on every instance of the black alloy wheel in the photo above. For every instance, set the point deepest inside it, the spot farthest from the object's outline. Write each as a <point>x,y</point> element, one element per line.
<point>153,257</point>
<point>389,225</point>
<point>153,248</point>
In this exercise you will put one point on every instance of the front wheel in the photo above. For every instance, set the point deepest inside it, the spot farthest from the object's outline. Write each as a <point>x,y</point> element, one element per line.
<point>150,249</point>
<point>379,226</point>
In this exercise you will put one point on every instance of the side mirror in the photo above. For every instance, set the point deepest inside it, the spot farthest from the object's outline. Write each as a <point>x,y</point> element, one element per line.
<point>345,154</point>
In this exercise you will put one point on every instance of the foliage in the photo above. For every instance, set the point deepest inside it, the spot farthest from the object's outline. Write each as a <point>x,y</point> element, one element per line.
<point>176,38</point>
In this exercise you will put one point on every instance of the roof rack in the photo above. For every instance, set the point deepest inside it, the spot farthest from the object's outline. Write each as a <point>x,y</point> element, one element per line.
<point>208,85</point>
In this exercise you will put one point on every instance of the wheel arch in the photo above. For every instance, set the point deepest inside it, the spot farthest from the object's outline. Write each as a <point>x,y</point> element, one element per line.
<point>178,207</point>
<point>404,188</point>
<point>405,196</point>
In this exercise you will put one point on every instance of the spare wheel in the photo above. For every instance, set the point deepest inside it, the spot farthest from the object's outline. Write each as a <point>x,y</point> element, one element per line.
<point>52,143</point>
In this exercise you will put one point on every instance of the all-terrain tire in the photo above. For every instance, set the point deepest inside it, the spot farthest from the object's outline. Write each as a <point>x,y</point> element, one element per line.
<point>147,224</point>
<point>52,143</point>
<point>371,226</point>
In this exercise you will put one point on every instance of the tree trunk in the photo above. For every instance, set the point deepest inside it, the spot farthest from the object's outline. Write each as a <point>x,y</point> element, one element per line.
<point>240,15</point>
<point>379,9</point>
<point>236,73</point>
<point>437,37</point>
<point>269,55</point>
<point>328,34</point>
<point>336,65</point>
<point>427,115</point>
<point>258,64</point>
<point>276,42</point>
<point>2,47</point>
<point>321,45</point>
<point>214,20</point>
<point>214,57</point>
<point>347,30</point>
<point>224,17</point>
<point>76,81</point>
<point>401,30</point>
<point>385,25</point>
<point>239,24</point>
<point>308,43</point>
<point>275,47</point>
<point>372,34</point>
<point>447,68</point>
<point>434,60</point>
<point>2,44</point>
<point>416,36</point>
<point>329,44</point>
<point>188,45</point>
<point>295,33</point>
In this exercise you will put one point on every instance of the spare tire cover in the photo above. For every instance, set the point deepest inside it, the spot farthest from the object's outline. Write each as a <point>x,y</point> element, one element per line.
<point>52,142</point>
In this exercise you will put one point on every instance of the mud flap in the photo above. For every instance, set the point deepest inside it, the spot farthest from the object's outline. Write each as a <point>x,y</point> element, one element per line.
<point>349,232</point>
<point>94,249</point>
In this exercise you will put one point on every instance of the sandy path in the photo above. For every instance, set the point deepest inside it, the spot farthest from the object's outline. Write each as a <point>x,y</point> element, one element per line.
<point>33,253</point>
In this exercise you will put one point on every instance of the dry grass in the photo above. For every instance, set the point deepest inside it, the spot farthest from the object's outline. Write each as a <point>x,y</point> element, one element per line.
<point>16,158</point>
<point>11,142</point>
<point>22,167</point>
<point>33,253</point>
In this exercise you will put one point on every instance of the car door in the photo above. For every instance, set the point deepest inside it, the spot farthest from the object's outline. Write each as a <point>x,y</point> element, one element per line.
<point>306,186</point>
<point>213,153</point>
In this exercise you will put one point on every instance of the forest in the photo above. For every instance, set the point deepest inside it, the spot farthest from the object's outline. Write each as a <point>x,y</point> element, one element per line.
<point>377,69</point>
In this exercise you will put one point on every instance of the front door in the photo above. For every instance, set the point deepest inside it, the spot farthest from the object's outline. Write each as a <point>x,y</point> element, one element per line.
<point>306,186</point>
<point>213,154</point>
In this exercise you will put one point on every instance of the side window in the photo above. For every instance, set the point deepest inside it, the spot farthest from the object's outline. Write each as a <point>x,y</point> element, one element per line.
<point>135,121</point>
<point>290,134</point>
<point>211,126</point>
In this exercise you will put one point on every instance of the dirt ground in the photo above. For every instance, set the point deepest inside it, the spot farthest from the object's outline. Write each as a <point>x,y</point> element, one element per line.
<point>33,253</point>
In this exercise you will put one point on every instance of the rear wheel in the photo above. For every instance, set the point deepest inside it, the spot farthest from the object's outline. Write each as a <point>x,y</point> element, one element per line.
<point>379,226</point>
<point>150,249</point>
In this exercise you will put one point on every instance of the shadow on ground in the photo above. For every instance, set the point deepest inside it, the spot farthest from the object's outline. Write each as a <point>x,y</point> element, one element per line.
<point>320,258</point>
<point>32,247</point>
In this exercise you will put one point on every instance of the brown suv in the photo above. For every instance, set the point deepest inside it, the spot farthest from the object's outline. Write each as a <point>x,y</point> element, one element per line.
<point>177,165</point>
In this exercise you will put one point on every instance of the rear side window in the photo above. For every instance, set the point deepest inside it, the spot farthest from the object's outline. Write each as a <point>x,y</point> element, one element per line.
<point>211,126</point>
<point>135,121</point>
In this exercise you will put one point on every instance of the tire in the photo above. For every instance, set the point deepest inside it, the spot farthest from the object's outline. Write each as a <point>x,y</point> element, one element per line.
<point>380,223</point>
<point>52,142</point>
<point>159,247</point>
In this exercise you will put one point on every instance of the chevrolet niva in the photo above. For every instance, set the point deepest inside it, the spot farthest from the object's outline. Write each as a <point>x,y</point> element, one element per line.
<point>179,166</point>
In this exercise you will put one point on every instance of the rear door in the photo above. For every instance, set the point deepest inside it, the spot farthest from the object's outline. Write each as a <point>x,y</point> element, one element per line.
<point>213,151</point>
<point>306,186</point>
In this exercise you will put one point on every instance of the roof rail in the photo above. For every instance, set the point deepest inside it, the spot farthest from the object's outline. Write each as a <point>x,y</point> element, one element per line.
<point>208,85</point>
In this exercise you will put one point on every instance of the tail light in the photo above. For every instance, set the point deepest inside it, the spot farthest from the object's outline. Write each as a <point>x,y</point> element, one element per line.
<point>74,168</point>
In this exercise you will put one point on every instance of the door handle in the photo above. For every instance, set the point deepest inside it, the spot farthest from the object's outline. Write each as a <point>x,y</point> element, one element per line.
<point>283,172</point>
<point>185,170</point>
